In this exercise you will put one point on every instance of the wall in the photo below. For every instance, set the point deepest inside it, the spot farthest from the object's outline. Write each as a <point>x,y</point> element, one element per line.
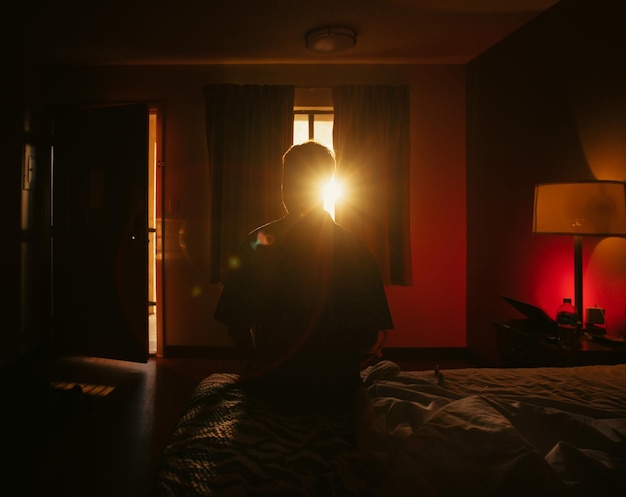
<point>25,271</point>
<point>11,148</point>
<point>431,313</point>
<point>548,104</point>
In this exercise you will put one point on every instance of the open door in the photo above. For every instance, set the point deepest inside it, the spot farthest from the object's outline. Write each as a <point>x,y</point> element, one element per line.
<point>100,231</point>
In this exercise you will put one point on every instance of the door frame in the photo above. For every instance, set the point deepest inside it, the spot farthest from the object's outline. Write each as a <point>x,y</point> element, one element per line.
<point>156,108</point>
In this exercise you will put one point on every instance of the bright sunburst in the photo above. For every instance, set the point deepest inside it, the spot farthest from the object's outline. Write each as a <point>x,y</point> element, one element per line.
<point>331,193</point>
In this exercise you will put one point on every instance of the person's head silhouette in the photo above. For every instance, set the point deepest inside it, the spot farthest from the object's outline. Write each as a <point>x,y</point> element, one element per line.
<point>307,167</point>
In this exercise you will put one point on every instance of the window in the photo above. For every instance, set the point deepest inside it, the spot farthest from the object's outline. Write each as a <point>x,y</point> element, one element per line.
<point>313,124</point>
<point>316,123</point>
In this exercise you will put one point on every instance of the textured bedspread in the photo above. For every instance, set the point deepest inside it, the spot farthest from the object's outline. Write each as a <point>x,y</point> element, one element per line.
<point>544,431</point>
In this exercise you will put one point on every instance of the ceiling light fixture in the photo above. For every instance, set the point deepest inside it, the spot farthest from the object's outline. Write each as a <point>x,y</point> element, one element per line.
<point>331,39</point>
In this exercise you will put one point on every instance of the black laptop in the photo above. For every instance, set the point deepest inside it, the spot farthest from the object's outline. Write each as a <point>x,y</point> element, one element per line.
<point>537,322</point>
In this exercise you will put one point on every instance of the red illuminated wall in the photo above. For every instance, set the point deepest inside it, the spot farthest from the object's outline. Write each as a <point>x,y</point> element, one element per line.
<point>429,313</point>
<point>548,104</point>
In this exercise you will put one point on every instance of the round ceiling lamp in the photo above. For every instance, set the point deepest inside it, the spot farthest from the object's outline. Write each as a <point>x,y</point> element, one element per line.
<point>330,39</point>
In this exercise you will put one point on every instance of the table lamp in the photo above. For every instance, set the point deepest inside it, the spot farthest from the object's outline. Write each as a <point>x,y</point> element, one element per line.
<point>584,208</point>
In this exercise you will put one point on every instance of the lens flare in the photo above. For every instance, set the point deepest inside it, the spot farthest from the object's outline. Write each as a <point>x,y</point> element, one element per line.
<point>234,262</point>
<point>262,239</point>
<point>331,193</point>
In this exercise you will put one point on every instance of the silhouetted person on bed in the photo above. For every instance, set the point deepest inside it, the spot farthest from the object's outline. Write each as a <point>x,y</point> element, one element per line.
<point>305,301</point>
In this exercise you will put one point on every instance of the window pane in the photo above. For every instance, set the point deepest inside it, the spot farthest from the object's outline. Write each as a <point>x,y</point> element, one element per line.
<point>300,128</point>
<point>323,129</point>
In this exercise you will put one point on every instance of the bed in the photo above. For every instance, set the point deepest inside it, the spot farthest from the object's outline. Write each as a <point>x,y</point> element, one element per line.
<point>481,431</point>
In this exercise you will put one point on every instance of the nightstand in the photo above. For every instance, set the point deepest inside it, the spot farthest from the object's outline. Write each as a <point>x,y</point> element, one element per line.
<point>519,346</point>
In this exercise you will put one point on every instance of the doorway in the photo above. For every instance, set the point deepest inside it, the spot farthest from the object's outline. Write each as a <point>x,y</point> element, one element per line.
<point>106,237</point>
<point>155,231</point>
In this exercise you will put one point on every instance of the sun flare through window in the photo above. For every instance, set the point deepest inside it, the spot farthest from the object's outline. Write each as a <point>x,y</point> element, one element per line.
<point>317,124</point>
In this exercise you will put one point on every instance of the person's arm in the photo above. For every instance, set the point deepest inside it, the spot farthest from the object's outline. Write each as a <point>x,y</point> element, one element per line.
<point>238,301</point>
<point>375,312</point>
<point>372,346</point>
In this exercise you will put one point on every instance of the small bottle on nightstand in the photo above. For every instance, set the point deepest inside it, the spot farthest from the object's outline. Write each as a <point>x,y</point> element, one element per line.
<point>567,323</point>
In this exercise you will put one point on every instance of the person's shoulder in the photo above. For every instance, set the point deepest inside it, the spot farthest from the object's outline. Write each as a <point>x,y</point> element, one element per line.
<point>264,227</point>
<point>272,226</point>
<point>264,235</point>
<point>351,241</point>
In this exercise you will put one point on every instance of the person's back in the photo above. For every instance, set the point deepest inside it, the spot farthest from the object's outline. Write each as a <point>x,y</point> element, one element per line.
<point>309,290</point>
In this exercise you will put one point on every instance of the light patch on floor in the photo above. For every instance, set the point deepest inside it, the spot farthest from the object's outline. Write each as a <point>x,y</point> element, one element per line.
<point>88,389</point>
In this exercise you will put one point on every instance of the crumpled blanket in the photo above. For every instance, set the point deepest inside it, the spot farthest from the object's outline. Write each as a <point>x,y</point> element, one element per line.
<point>487,432</point>
<point>542,431</point>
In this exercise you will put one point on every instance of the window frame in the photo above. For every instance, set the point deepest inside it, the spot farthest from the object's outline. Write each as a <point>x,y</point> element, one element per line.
<point>311,112</point>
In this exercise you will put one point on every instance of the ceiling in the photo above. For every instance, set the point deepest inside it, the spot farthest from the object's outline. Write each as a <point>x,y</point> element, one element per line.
<point>193,32</point>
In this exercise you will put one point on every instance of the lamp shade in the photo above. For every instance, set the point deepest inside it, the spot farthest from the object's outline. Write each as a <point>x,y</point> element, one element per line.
<point>590,208</point>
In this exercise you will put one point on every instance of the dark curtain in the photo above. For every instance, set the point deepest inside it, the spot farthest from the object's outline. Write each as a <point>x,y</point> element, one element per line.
<point>372,145</point>
<point>248,129</point>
